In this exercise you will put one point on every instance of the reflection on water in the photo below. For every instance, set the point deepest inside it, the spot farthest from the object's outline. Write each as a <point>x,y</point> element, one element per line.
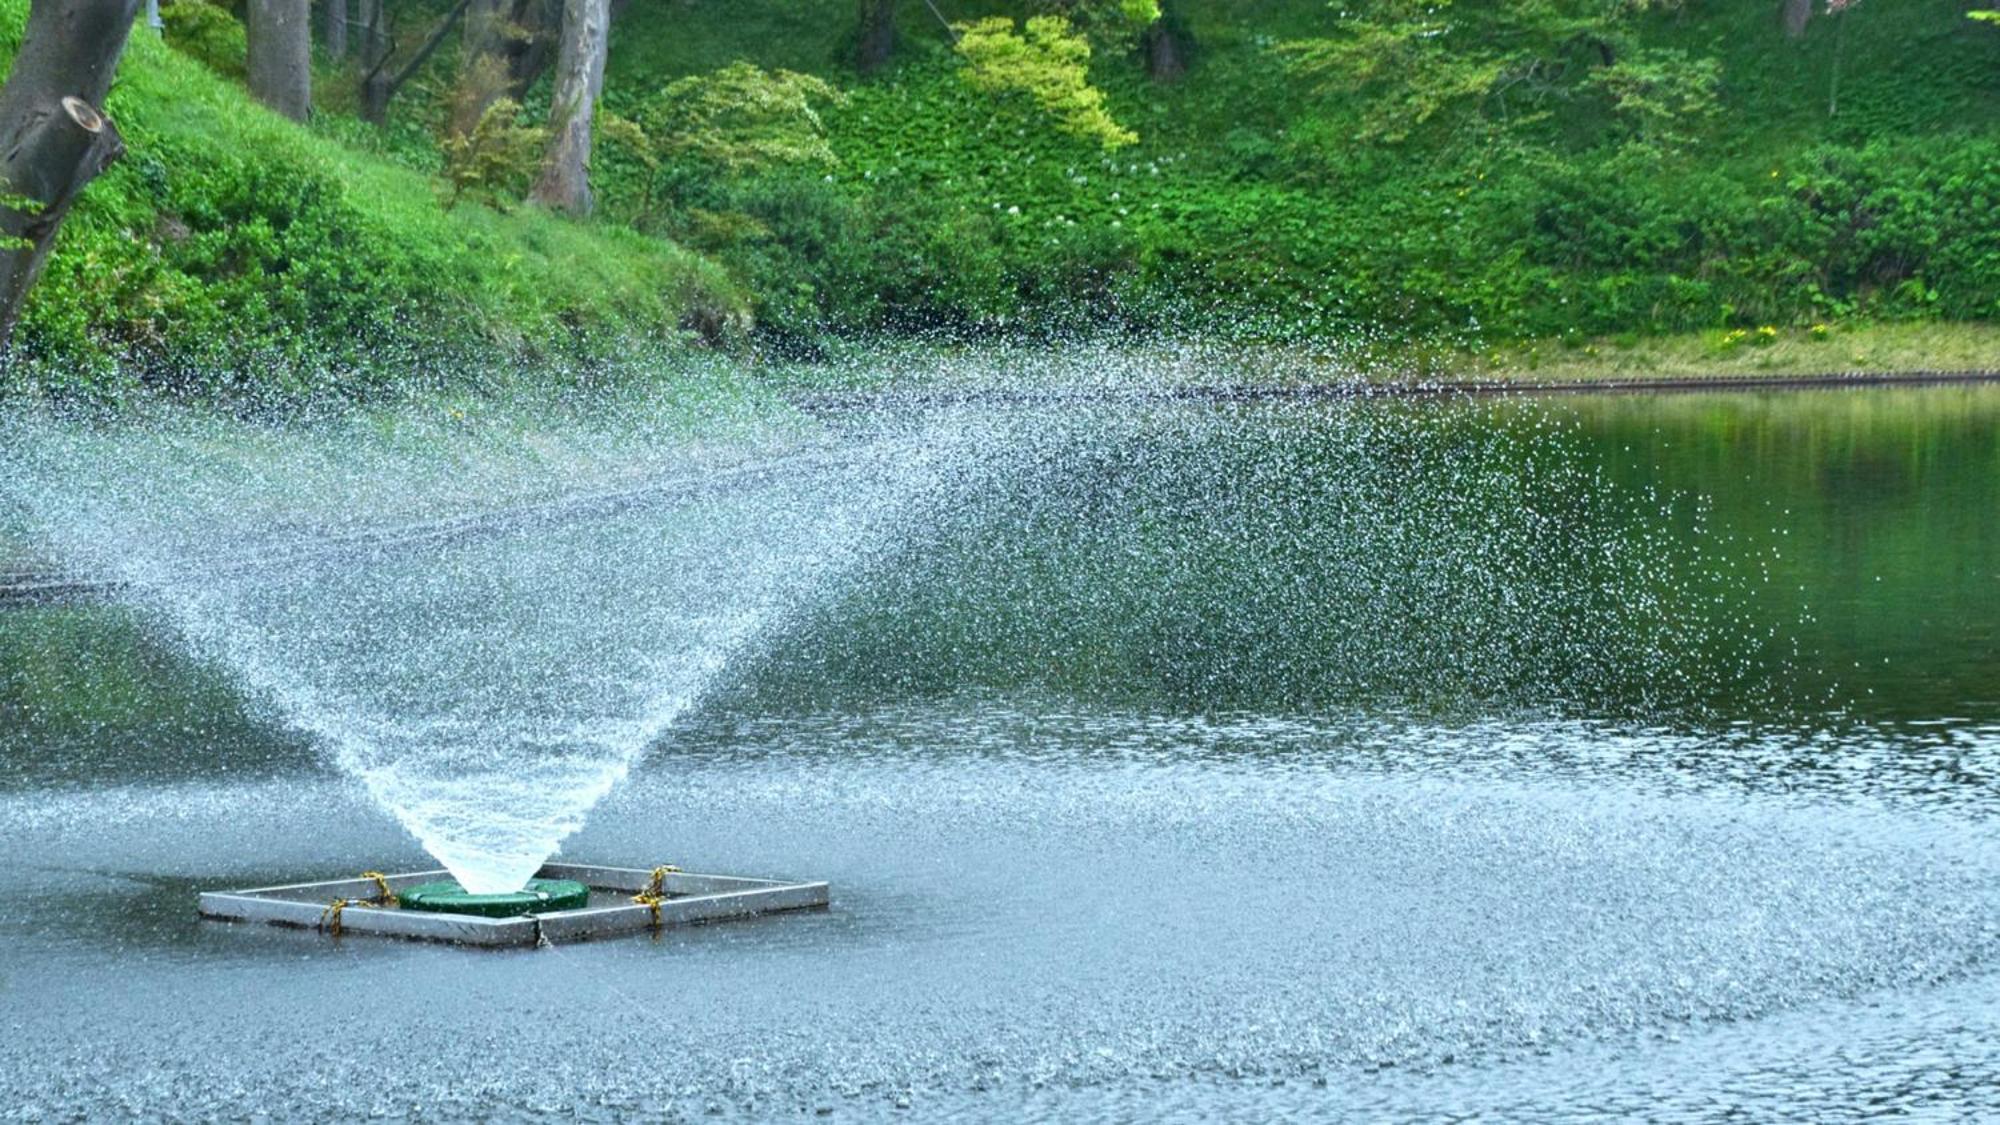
<point>1721,840</point>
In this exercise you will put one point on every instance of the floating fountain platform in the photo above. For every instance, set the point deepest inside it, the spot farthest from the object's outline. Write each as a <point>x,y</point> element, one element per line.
<point>565,902</point>
<point>540,896</point>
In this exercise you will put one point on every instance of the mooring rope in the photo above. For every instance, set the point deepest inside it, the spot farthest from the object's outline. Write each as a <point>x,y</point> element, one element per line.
<point>387,897</point>
<point>329,919</point>
<point>655,892</point>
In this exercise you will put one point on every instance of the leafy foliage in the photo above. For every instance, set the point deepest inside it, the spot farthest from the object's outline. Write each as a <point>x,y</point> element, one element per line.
<point>1420,61</point>
<point>496,159</point>
<point>233,252</point>
<point>1634,196</point>
<point>207,31</point>
<point>700,132</point>
<point>1666,97</point>
<point>1048,61</point>
<point>741,117</point>
<point>1107,24</point>
<point>1470,169</point>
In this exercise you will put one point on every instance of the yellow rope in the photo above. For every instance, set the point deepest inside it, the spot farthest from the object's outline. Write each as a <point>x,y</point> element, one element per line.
<point>656,891</point>
<point>387,897</point>
<point>329,919</point>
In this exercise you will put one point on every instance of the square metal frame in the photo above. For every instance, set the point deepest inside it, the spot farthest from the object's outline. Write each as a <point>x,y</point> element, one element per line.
<point>691,899</point>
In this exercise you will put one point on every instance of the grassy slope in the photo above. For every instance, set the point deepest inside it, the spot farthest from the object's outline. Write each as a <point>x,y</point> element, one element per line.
<point>232,243</point>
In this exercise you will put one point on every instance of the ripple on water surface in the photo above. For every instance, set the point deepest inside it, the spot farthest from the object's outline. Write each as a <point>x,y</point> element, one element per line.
<point>1067,908</point>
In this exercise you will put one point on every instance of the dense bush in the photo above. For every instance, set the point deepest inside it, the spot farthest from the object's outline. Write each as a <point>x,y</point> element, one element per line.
<point>1891,228</point>
<point>1682,188</point>
<point>206,31</point>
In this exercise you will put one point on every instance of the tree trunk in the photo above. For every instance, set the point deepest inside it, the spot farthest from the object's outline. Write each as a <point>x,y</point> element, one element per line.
<point>374,60</point>
<point>334,39</point>
<point>1163,53</point>
<point>53,139</point>
<point>374,34</point>
<point>1793,16</point>
<point>507,45</point>
<point>564,184</point>
<point>482,63</point>
<point>279,33</point>
<point>876,38</point>
<point>379,82</point>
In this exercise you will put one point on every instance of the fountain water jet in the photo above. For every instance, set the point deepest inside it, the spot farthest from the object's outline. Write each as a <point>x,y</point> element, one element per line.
<point>488,622</point>
<point>486,653</point>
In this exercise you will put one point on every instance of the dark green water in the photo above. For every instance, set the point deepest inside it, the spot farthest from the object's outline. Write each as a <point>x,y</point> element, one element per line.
<point>1795,558</point>
<point>1878,511</point>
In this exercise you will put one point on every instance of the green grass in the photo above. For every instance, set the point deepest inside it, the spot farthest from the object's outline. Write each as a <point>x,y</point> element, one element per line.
<point>233,246</point>
<point>1866,347</point>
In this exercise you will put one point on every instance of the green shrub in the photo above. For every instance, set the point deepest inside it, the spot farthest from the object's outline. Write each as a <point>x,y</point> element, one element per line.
<point>205,31</point>
<point>496,159</point>
<point>1683,175</point>
<point>1047,60</point>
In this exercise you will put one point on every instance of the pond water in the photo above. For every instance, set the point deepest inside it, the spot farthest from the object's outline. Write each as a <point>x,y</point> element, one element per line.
<point>1527,758</point>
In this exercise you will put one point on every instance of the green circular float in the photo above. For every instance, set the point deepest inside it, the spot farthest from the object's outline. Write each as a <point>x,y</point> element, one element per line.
<point>538,897</point>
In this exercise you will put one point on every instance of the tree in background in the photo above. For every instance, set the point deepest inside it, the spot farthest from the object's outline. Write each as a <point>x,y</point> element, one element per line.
<point>1793,16</point>
<point>374,34</point>
<point>494,159</point>
<point>53,132</point>
<point>1122,25</point>
<point>205,30</point>
<point>507,45</point>
<point>1166,46</point>
<point>280,55</point>
<point>741,117</point>
<point>1664,97</point>
<point>334,37</point>
<point>1047,60</point>
<point>379,82</point>
<point>1837,8</point>
<point>1415,63</point>
<point>564,184</point>
<point>875,36</point>
<point>738,119</point>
